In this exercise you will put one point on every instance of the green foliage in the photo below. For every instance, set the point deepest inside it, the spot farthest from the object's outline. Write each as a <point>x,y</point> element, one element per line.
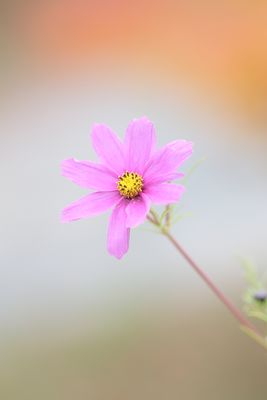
<point>255,296</point>
<point>169,217</point>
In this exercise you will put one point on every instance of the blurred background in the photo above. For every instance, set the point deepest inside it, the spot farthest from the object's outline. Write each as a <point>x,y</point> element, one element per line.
<point>74,322</point>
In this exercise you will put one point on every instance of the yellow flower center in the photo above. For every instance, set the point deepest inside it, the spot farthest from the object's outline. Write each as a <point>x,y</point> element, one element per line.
<point>130,184</point>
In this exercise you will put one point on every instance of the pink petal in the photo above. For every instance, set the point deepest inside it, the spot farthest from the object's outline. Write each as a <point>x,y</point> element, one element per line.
<point>118,233</point>
<point>90,205</point>
<point>139,143</point>
<point>166,160</point>
<point>137,210</point>
<point>164,193</point>
<point>108,147</point>
<point>88,174</point>
<point>164,178</point>
<point>174,175</point>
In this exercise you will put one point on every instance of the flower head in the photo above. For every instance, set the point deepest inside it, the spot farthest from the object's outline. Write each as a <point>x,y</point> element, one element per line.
<point>260,296</point>
<point>130,176</point>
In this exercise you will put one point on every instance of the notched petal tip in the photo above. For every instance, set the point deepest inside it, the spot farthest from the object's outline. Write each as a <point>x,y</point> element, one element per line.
<point>118,256</point>
<point>69,167</point>
<point>64,165</point>
<point>181,146</point>
<point>98,126</point>
<point>64,218</point>
<point>143,119</point>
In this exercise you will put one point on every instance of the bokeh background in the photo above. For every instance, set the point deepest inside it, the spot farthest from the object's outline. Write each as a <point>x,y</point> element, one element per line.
<point>76,323</point>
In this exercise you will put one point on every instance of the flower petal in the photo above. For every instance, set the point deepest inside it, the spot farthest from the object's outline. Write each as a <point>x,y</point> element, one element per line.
<point>155,179</point>
<point>137,210</point>
<point>139,142</point>
<point>88,174</point>
<point>164,193</point>
<point>166,160</point>
<point>108,147</point>
<point>90,205</point>
<point>118,233</point>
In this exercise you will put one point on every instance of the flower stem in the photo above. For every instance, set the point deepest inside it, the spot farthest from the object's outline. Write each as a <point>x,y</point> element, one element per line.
<point>231,307</point>
<point>245,323</point>
<point>168,217</point>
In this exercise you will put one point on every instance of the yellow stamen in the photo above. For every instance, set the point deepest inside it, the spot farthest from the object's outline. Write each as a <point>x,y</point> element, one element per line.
<point>130,184</point>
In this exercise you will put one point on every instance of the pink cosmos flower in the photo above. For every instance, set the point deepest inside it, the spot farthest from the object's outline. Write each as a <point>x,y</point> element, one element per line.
<point>130,176</point>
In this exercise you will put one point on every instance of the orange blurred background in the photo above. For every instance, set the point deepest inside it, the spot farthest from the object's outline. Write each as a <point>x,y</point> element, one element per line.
<point>221,46</point>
